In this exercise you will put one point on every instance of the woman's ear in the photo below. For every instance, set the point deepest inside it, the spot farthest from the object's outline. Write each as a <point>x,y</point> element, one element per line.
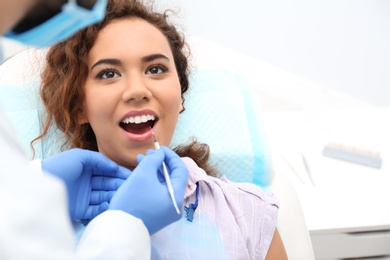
<point>82,117</point>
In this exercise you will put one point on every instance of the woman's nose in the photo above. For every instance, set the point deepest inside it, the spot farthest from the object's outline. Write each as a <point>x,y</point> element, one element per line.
<point>136,89</point>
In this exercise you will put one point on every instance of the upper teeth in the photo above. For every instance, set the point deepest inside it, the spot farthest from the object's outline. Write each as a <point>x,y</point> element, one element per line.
<point>138,119</point>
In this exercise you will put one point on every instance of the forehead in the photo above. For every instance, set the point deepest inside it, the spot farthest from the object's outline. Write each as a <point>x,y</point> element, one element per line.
<point>132,36</point>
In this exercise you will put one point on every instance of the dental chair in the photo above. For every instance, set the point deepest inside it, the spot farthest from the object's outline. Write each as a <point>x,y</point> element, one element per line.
<point>221,110</point>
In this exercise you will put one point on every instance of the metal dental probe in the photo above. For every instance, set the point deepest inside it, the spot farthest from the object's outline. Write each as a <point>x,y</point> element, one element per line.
<point>166,176</point>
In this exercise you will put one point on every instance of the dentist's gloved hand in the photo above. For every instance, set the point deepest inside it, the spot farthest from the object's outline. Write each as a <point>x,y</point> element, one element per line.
<point>91,180</point>
<point>145,194</point>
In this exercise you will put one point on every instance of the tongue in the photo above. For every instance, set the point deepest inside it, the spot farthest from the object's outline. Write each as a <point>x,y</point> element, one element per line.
<point>136,128</point>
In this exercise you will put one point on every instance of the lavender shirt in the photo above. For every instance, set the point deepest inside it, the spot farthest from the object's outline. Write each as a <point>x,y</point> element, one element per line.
<point>232,221</point>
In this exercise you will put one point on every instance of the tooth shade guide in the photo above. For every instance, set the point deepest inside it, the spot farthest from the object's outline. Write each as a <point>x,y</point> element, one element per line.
<point>353,154</point>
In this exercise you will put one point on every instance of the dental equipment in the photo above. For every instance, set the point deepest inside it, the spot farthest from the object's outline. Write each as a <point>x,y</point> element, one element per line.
<point>307,168</point>
<point>166,176</point>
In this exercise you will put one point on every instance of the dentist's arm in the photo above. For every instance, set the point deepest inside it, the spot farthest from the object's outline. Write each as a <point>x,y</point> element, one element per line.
<point>115,234</point>
<point>34,219</point>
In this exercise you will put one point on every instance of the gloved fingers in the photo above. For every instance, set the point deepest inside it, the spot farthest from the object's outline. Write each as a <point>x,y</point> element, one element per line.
<point>98,197</point>
<point>149,167</point>
<point>96,160</point>
<point>152,160</point>
<point>105,183</point>
<point>174,162</point>
<point>140,157</point>
<point>178,172</point>
<point>150,151</point>
<point>94,210</point>
<point>160,174</point>
<point>121,172</point>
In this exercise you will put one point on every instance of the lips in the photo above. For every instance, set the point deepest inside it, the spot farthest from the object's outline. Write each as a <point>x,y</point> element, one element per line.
<point>138,124</point>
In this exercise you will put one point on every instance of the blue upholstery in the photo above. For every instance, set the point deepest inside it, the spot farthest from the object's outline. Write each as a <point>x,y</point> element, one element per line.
<point>221,111</point>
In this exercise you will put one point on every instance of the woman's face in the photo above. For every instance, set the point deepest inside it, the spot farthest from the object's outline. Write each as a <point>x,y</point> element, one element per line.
<point>132,89</point>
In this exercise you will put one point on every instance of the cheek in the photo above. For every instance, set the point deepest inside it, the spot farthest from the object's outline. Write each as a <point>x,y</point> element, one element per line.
<point>175,99</point>
<point>97,103</point>
<point>176,102</point>
<point>175,107</point>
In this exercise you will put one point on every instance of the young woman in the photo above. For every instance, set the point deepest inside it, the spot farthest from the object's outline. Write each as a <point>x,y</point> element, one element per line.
<point>110,86</point>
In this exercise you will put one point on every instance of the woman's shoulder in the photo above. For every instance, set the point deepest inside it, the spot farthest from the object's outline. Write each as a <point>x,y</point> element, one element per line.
<point>250,189</point>
<point>229,189</point>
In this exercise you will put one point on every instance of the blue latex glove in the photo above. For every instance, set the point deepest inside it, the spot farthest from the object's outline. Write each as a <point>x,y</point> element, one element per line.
<point>91,180</point>
<point>145,194</point>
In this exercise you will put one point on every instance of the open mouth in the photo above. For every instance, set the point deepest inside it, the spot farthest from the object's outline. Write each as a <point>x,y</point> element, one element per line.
<point>138,124</point>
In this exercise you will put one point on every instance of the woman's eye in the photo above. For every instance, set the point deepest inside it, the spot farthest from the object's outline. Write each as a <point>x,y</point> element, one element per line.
<point>108,74</point>
<point>156,70</point>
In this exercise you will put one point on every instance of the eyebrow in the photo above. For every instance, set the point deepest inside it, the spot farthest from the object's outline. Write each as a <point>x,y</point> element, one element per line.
<point>117,62</point>
<point>107,61</point>
<point>153,57</point>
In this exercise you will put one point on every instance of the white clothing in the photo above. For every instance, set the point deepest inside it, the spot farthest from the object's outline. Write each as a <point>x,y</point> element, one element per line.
<point>34,220</point>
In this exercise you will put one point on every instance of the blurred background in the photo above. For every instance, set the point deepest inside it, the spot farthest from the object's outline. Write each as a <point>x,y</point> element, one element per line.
<point>342,44</point>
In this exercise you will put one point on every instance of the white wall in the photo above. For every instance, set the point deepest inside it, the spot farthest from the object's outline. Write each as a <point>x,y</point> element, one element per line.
<point>344,44</point>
